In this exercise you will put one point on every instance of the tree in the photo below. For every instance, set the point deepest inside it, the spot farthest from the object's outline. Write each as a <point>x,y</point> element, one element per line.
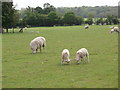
<point>115,19</point>
<point>53,18</point>
<point>48,8</point>
<point>39,10</point>
<point>89,21</point>
<point>79,20</point>
<point>100,21</point>
<point>9,15</point>
<point>46,5</point>
<point>15,19</point>
<point>109,18</point>
<point>69,18</point>
<point>31,19</point>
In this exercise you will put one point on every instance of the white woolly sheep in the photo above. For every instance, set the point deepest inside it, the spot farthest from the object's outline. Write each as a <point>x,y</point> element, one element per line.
<point>112,30</point>
<point>115,29</point>
<point>65,56</point>
<point>37,43</point>
<point>86,27</point>
<point>25,28</point>
<point>81,54</point>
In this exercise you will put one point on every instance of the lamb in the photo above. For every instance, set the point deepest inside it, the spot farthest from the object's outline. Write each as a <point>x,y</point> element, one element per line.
<point>86,27</point>
<point>81,54</point>
<point>37,43</point>
<point>65,56</point>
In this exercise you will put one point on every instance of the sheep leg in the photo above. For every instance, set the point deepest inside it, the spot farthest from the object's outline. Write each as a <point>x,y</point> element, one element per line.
<point>62,62</point>
<point>40,49</point>
<point>78,61</point>
<point>44,48</point>
<point>82,60</point>
<point>88,59</point>
<point>69,62</point>
<point>36,49</point>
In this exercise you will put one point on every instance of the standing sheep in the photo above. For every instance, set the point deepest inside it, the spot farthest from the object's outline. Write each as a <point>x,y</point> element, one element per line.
<point>37,43</point>
<point>65,56</point>
<point>81,54</point>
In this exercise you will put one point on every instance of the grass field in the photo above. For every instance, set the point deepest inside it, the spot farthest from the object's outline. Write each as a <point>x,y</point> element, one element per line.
<point>22,69</point>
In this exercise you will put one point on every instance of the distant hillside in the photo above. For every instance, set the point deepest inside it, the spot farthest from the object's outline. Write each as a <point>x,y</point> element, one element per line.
<point>85,11</point>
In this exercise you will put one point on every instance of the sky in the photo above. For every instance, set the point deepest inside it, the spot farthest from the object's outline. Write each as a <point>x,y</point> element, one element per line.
<point>64,3</point>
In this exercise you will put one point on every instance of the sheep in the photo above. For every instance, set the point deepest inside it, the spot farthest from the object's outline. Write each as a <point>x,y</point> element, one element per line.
<point>25,28</point>
<point>86,27</point>
<point>65,56</point>
<point>115,29</point>
<point>112,30</point>
<point>81,54</point>
<point>37,43</point>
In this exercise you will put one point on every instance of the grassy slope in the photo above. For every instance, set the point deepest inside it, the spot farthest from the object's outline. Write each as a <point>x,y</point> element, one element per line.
<point>23,69</point>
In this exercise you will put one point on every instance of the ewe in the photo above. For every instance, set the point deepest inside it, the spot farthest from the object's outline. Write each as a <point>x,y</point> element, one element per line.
<point>115,29</point>
<point>81,54</point>
<point>37,43</point>
<point>65,56</point>
<point>86,27</point>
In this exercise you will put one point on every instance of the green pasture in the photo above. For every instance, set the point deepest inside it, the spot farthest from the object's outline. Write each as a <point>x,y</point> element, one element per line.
<point>22,69</point>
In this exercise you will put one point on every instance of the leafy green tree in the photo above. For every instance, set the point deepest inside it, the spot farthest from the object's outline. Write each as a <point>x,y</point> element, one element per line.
<point>48,8</point>
<point>100,21</point>
<point>79,20</point>
<point>53,18</point>
<point>8,15</point>
<point>38,10</point>
<point>109,18</point>
<point>31,19</point>
<point>69,18</point>
<point>15,19</point>
<point>89,21</point>
<point>46,5</point>
<point>106,21</point>
<point>115,19</point>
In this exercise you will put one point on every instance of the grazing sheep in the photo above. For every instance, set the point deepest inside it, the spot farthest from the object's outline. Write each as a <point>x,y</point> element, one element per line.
<point>65,56</point>
<point>115,29</point>
<point>25,28</point>
<point>112,30</point>
<point>86,27</point>
<point>37,43</point>
<point>81,54</point>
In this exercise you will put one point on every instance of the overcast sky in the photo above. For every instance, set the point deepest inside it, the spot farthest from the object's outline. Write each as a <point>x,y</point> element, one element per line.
<point>64,3</point>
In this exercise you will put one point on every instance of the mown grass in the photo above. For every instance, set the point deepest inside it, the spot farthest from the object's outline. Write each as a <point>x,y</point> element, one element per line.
<point>22,69</point>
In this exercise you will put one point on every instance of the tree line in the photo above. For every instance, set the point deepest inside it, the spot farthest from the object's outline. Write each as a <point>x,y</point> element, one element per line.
<point>96,11</point>
<point>51,16</point>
